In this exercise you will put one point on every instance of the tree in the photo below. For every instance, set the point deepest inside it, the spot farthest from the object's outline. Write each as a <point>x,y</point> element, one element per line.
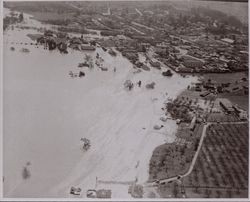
<point>20,17</point>
<point>175,189</point>
<point>229,193</point>
<point>207,193</point>
<point>167,52</point>
<point>26,173</point>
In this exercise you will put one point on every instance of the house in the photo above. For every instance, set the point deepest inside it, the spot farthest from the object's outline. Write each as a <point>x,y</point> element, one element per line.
<point>75,40</point>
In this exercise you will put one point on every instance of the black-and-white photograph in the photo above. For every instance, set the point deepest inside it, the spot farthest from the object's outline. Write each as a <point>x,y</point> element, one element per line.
<point>125,99</point>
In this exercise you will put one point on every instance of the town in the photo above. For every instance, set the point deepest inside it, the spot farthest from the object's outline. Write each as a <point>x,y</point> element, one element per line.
<point>208,157</point>
<point>188,41</point>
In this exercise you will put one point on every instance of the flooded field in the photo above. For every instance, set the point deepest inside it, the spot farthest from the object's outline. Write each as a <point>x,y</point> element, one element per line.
<point>46,113</point>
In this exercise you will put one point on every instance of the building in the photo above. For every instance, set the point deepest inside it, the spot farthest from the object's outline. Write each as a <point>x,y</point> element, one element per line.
<point>240,113</point>
<point>155,64</point>
<point>143,38</point>
<point>87,47</point>
<point>146,45</point>
<point>161,47</point>
<point>243,115</point>
<point>192,62</point>
<point>226,105</point>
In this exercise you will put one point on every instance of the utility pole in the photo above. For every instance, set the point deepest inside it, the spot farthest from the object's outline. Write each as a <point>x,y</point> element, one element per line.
<point>183,192</point>
<point>96,181</point>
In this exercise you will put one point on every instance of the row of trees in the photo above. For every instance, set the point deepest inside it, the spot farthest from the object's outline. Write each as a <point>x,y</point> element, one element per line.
<point>12,19</point>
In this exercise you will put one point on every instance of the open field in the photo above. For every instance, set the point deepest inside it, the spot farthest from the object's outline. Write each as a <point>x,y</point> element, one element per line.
<point>221,117</point>
<point>221,170</point>
<point>47,113</point>
<point>92,109</point>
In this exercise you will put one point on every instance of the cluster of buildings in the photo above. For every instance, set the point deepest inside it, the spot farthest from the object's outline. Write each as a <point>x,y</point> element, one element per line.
<point>186,40</point>
<point>229,108</point>
<point>62,41</point>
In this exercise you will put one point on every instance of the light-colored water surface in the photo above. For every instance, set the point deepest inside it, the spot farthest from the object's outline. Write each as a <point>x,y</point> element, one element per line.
<point>46,113</point>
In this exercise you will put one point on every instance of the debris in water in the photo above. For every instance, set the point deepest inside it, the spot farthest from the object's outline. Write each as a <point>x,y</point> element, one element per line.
<point>83,64</point>
<point>150,85</point>
<point>156,127</point>
<point>164,119</point>
<point>75,190</point>
<point>104,68</point>
<point>25,50</point>
<point>72,75</point>
<point>128,85</point>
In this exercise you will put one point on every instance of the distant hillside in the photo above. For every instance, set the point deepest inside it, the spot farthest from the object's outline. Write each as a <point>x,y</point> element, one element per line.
<point>46,6</point>
<point>236,9</point>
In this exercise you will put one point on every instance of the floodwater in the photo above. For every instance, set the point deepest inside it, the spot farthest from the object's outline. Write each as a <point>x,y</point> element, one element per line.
<point>46,113</point>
